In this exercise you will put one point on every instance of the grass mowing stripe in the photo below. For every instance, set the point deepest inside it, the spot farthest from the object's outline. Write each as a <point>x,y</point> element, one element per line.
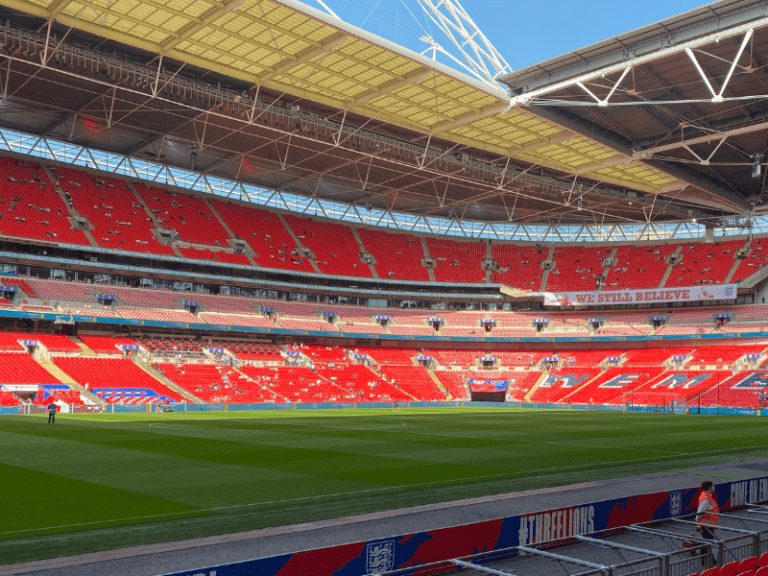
<point>246,471</point>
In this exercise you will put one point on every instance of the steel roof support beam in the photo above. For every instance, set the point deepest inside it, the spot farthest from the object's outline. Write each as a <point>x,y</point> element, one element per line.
<point>468,118</point>
<point>526,97</point>
<point>327,45</point>
<point>650,152</point>
<point>389,87</point>
<point>567,121</point>
<point>57,7</point>
<point>194,27</point>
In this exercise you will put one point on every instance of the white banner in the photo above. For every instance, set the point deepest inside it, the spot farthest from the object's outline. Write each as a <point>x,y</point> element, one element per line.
<point>654,296</point>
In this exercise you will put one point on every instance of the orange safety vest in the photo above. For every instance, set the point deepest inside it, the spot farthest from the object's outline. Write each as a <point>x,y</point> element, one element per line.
<point>709,517</point>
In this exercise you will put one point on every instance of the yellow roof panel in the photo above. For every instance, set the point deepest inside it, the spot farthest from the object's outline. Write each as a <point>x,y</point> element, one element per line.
<point>296,49</point>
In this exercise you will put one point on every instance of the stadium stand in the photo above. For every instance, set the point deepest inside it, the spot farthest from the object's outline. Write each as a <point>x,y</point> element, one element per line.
<point>334,246</point>
<point>397,256</point>
<point>272,243</point>
<point>519,266</point>
<point>704,263</point>
<point>118,219</point>
<point>116,380</point>
<point>9,399</point>
<point>106,344</point>
<point>31,207</point>
<point>638,266</point>
<point>576,268</point>
<point>23,369</point>
<point>457,261</point>
<point>188,216</point>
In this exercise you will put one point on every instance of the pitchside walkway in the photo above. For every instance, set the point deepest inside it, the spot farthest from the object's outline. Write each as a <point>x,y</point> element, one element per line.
<point>158,559</point>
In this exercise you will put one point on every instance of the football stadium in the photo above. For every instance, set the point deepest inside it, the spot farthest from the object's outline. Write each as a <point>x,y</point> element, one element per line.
<point>283,297</point>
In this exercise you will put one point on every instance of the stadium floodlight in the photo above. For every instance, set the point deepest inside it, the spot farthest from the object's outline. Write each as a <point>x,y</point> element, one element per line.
<point>478,56</point>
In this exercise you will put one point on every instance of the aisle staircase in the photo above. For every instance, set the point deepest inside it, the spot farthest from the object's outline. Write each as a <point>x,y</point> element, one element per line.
<point>439,384</point>
<point>65,378</point>
<point>84,350</point>
<point>191,398</point>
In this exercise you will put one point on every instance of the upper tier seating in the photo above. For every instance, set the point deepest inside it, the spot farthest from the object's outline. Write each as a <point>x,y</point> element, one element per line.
<point>638,267</point>
<point>519,266</point>
<point>575,268</point>
<point>22,369</point>
<point>334,246</point>
<point>188,215</point>
<point>704,263</point>
<point>30,206</point>
<point>757,258</point>
<point>457,261</point>
<point>113,374</point>
<point>265,234</point>
<point>397,256</point>
<point>106,344</point>
<point>118,217</point>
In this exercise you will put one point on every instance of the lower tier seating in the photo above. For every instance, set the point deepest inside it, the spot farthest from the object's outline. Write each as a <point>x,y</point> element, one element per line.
<point>116,380</point>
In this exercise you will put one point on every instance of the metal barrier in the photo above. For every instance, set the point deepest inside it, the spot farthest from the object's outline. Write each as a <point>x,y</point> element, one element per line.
<point>671,547</point>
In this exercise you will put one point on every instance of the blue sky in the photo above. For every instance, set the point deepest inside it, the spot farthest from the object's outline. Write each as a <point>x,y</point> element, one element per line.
<point>525,33</point>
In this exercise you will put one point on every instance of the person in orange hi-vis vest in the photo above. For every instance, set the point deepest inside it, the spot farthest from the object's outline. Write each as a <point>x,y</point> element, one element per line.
<point>708,519</point>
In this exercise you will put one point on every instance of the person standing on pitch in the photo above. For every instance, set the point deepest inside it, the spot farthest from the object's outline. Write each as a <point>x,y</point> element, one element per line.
<point>708,519</point>
<point>52,413</point>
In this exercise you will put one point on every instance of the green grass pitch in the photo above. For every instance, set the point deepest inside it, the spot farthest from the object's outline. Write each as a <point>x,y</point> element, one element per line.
<point>96,482</point>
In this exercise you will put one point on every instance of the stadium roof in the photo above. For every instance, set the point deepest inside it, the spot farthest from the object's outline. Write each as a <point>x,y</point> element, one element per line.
<point>283,96</point>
